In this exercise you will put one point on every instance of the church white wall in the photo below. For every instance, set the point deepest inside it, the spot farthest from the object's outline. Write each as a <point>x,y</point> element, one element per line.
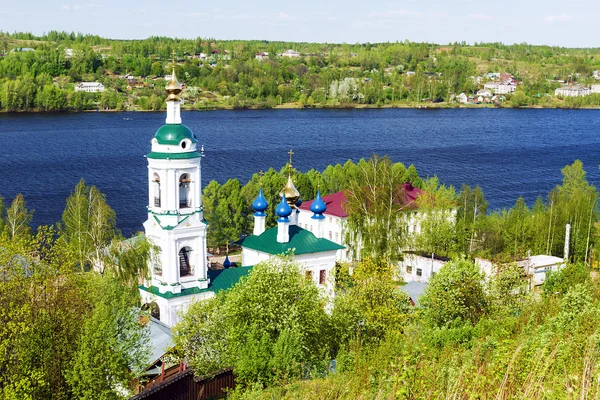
<point>171,309</point>
<point>333,229</point>
<point>313,262</point>
<point>169,172</point>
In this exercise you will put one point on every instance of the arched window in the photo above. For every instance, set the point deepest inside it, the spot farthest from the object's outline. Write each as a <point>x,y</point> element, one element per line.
<point>185,198</point>
<point>185,268</point>
<point>153,309</point>
<point>156,189</point>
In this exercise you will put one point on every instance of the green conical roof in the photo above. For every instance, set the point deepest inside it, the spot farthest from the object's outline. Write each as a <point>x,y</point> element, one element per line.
<point>173,134</point>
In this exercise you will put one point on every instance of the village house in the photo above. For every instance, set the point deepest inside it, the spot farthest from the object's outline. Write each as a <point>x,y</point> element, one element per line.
<point>290,54</point>
<point>504,87</point>
<point>572,91</point>
<point>462,98</point>
<point>595,89</point>
<point>262,56</point>
<point>89,87</point>
<point>484,93</point>
<point>220,55</point>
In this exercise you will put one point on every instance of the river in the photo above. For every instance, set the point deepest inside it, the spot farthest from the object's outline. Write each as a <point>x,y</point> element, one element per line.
<point>508,152</point>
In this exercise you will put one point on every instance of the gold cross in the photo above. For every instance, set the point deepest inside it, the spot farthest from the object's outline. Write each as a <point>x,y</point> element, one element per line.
<point>173,57</point>
<point>261,173</point>
<point>291,153</point>
<point>318,181</point>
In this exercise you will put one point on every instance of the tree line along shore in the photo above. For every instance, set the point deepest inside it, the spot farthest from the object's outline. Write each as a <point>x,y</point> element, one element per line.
<point>62,71</point>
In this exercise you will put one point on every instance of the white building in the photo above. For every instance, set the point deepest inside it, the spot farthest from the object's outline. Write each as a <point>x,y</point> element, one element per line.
<point>595,89</point>
<point>534,267</point>
<point>462,98</point>
<point>572,91</point>
<point>484,93</point>
<point>175,224</point>
<point>420,267</point>
<point>263,55</point>
<point>501,87</point>
<point>90,87</point>
<point>290,54</point>
<point>311,249</point>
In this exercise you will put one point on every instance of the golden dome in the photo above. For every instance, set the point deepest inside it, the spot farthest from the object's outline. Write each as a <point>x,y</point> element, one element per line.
<point>290,193</point>
<point>173,87</point>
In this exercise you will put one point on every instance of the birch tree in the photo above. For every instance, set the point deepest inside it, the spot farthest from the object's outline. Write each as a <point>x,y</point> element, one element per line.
<point>374,227</point>
<point>18,218</point>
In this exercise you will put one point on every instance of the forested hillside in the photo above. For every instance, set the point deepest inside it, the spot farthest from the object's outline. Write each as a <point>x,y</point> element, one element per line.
<point>40,73</point>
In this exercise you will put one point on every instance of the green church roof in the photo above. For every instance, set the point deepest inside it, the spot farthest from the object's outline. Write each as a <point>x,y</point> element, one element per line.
<point>301,241</point>
<point>173,134</point>
<point>173,156</point>
<point>219,280</point>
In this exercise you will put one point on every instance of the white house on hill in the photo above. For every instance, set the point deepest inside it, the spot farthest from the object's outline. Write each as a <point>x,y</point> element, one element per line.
<point>89,87</point>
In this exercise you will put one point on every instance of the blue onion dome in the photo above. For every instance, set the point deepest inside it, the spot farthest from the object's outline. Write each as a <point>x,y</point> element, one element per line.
<point>226,263</point>
<point>299,203</point>
<point>260,204</point>
<point>318,207</point>
<point>283,210</point>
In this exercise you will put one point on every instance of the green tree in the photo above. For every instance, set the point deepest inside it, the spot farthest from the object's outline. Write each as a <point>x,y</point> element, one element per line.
<point>371,302</point>
<point>266,327</point>
<point>112,348</point>
<point>455,293</point>
<point>18,218</point>
<point>88,224</point>
<point>374,228</point>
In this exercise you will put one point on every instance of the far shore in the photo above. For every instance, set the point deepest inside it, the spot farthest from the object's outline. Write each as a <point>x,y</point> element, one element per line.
<point>296,106</point>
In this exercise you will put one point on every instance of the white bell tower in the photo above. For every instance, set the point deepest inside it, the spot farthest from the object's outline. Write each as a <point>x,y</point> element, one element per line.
<point>175,223</point>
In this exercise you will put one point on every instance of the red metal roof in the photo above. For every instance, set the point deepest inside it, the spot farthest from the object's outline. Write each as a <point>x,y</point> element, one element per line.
<point>336,202</point>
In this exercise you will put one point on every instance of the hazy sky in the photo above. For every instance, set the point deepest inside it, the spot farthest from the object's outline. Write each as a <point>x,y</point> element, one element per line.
<point>510,21</point>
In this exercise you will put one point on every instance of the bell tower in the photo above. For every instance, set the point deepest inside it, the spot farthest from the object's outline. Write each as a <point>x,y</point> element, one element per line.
<point>175,223</point>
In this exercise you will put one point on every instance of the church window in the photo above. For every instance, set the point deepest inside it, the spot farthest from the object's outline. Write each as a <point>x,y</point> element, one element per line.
<point>183,145</point>
<point>185,200</point>
<point>409,269</point>
<point>322,276</point>
<point>330,235</point>
<point>309,275</point>
<point>419,272</point>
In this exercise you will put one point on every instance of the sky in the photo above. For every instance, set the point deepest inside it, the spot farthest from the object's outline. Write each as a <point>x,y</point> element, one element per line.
<point>551,22</point>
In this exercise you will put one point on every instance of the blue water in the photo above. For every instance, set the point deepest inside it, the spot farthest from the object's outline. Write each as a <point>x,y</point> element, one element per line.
<point>507,152</point>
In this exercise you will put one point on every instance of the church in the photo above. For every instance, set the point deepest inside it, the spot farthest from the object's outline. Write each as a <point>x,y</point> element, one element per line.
<point>176,227</point>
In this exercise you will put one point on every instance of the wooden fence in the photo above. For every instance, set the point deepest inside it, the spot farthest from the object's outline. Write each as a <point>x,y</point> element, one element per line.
<point>183,386</point>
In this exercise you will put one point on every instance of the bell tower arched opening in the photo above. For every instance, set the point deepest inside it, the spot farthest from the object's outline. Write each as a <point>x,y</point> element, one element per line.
<point>156,190</point>
<point>185,268</point>
<point>185,199</point>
